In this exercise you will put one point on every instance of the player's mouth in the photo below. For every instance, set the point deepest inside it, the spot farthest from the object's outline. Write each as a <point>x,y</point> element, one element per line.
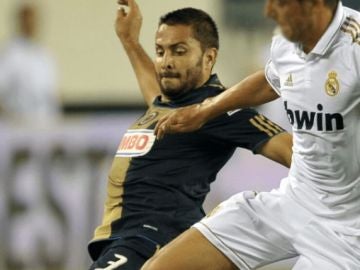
<point>169,75</point>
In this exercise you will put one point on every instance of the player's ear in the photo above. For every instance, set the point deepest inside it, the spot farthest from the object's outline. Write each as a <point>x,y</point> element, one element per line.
<point>210,57</point>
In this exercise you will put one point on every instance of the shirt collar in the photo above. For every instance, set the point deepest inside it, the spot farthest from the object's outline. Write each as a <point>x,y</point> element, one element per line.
<point>325,41</point>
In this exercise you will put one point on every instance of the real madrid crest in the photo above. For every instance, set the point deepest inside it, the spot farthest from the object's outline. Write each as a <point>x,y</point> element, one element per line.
<point>332,86</point>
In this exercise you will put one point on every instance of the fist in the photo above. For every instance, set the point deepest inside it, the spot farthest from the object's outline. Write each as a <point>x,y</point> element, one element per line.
<point>122,2</point>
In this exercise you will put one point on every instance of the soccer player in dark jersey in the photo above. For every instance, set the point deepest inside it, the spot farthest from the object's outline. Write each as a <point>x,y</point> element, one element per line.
<point>156,188</point>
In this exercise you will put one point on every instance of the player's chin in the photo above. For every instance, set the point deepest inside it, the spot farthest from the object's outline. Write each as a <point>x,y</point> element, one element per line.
<point>288,34</point>
<point>171,91</point>
<point>170,86</point>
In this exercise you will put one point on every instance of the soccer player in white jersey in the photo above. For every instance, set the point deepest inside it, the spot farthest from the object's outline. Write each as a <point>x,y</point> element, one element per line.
<point>315,214</point>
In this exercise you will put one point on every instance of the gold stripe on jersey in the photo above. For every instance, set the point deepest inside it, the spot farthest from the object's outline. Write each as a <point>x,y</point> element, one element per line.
<point>261,120</point>
<point>260,127</point>
<point>352,27</point>
<point>350,31</point>
<point>263,126</point>
<point>278,128</point>
<point>354,22</point>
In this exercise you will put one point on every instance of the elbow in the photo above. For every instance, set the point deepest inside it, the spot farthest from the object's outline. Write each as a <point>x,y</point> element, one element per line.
<point>288,153</point>
<point>288,160</point>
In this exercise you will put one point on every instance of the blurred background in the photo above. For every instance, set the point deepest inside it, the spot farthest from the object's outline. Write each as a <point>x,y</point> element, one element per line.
<point>68,93</point>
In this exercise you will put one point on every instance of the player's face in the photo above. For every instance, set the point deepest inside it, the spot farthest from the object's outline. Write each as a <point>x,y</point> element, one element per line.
<point>295,18</point>
<point>179,60</point>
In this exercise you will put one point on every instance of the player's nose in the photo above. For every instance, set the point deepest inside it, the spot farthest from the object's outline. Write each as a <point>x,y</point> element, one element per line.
<point>167,61</point>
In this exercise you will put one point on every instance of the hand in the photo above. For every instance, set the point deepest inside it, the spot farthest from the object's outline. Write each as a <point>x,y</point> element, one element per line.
<point>128,23</point>
<point>182,120</point>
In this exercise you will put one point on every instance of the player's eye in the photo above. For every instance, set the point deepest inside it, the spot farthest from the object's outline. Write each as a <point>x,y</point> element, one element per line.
<point>159,52</point>
<point>180,51</point>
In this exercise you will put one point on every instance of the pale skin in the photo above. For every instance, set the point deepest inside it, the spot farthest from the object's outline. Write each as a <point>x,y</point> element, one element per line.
<point>191,250</point>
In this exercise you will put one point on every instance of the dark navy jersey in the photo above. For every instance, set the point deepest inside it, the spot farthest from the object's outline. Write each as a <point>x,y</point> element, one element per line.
<point>156,188</point>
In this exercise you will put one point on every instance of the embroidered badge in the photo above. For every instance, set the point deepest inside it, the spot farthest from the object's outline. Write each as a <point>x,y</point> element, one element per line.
<point>147,118</point>
<point>289,81</point>
<point>332,86</point>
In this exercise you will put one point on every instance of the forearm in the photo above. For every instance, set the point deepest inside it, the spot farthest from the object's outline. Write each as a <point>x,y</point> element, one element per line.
<point>127,27</point>
<point>252,91</point>
<point>144,71</point>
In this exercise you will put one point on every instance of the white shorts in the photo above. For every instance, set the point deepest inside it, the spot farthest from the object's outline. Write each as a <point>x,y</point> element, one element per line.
<point>256,230</point>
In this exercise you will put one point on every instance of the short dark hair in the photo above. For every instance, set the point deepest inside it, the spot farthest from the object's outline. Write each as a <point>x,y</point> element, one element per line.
<point>332,3</point>
<point>203,26</point>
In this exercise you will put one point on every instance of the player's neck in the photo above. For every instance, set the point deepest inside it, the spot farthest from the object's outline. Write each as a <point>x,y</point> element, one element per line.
<point>323,21</point>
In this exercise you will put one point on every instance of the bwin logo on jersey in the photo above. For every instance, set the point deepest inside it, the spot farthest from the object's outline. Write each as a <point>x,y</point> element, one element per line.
<point>318,120</point>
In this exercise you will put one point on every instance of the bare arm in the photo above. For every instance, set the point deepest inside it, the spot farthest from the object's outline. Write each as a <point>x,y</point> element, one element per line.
<point>252,91</point>
<point>127,27</point>
<point>278,149</point>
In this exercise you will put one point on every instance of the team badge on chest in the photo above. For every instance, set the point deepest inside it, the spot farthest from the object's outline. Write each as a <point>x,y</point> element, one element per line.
<point>147,118</point>
<point>136,143</point>
<point>332,86</point>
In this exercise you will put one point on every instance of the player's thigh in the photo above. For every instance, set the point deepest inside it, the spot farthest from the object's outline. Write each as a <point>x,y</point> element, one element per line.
<point>253,230</point>
<point>190,251</point>
<point>312,262</point>
<point>323,248</point>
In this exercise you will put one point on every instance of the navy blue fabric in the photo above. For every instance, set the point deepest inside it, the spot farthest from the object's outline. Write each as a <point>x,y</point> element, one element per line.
<point>164,190</point>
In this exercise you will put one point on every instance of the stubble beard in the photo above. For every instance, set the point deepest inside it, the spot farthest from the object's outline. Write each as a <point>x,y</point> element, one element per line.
<point>187,83</point>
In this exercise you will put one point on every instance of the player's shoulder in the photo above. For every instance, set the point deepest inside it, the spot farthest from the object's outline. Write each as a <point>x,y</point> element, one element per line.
<point>350,28</point>
<point>350,36</point>
<point>349,12</point>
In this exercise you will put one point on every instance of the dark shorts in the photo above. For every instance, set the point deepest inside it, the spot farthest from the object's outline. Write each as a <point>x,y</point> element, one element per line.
<point>126,254</point>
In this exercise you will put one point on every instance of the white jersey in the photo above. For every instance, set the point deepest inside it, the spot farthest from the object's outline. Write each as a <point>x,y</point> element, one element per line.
<point>321,95</point>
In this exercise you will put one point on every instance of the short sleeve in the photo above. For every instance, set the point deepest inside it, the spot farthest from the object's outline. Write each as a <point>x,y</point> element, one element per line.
<point>272,76</point>
<point>244,128</point>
